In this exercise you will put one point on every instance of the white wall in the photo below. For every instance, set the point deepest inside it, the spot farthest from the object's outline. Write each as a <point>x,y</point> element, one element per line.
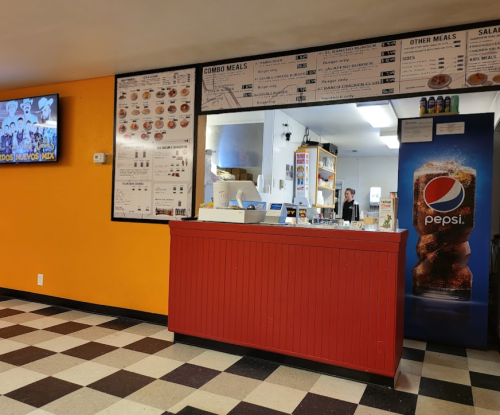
<point>365,172</point>
<point>274,164</point>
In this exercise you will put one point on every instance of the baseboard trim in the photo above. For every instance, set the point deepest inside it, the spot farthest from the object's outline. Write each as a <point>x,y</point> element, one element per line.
<point>287,360</point>
<point>88,307</point>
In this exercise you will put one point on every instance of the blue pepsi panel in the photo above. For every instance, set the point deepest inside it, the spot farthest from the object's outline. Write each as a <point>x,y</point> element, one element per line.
<point>444,191</point>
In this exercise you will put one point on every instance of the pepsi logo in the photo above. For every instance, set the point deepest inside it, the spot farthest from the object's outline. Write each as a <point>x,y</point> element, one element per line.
<point>444,194</point>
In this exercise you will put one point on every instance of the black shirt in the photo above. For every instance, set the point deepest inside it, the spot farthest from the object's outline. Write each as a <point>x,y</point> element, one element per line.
<point>347,211</point>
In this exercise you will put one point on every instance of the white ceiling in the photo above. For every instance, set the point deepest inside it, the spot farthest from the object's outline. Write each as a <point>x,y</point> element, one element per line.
<point>344,126</point>
<point>60,40</point>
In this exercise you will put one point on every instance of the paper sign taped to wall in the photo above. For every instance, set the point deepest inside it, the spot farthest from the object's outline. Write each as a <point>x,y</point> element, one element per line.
<point>417,130</point>
<point>450,128</point>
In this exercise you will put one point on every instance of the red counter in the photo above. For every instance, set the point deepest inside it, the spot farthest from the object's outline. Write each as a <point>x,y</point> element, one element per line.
<point>334,297</point>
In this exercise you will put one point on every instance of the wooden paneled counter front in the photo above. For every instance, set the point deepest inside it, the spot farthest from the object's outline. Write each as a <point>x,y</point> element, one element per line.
<point>311,297</point>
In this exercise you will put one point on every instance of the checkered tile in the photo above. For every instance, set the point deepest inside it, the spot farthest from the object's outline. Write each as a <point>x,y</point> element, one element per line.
<point>58,361</point>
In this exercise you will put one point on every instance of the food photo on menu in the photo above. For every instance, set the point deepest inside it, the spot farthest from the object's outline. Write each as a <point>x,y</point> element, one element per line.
<point>482,79</point>
<point>28,130</point>
<point>147,109</point>
<point>476,79</point>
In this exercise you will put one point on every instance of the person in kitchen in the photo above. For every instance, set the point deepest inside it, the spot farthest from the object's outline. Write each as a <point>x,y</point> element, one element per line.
<point>350,210</point>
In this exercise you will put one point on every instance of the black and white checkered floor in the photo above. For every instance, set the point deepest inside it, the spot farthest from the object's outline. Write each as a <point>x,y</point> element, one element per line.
<point>66,362</point>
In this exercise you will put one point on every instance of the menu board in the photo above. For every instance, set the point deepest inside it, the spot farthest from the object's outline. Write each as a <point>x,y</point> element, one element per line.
<point>437,62</point>
<point>154,137</point>
<point>483,56</point>
<point>433,62</point>
<point>228,86</point>
<point>285,80</point>
<point>358,71</point>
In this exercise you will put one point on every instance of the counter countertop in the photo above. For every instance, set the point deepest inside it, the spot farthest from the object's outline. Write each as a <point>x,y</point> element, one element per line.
<point>304,231</point>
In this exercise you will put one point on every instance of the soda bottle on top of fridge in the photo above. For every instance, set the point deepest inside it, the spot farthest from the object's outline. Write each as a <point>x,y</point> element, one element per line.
<point>444,198</point>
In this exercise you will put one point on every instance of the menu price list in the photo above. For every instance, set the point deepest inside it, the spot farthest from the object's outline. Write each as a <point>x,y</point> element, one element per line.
<point>451,60</point>
<point>155,114</point>
<point>285,80</point>
<point>227,86</point>
<point>171,200</point>
<point>483,56</point>
<point>433,62</point>
<point>132,199</point>
<point>358,71</point>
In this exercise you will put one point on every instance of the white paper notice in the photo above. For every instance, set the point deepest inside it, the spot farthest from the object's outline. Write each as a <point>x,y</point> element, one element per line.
<point>450,128</point>
<point>417,130</point>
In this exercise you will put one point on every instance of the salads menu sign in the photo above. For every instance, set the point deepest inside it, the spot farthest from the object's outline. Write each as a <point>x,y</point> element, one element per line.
<point>452,60</point>
<point>154,130</point>
<point>483,55</point>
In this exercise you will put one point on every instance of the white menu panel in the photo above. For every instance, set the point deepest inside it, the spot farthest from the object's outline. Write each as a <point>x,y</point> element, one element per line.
<point>434,62</point>
<point>483,57</point>
<point>437,62</point>
<point>358,71</point>
<point>154,145</point>
<point>132,199</point>
<point>285,80</point>
<point>227,86</point>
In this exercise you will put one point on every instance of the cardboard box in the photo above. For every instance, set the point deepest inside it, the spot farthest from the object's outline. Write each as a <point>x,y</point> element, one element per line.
<point>238,171</point>
<point>388,214</point>
<point>246,176</point>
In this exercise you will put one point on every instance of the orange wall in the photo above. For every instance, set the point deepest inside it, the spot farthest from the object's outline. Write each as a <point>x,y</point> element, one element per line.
<point>55,218</point>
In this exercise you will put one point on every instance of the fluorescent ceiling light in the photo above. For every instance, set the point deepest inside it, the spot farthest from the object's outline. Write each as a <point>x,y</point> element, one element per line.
<point>390,141</point>
<point>379,115</point>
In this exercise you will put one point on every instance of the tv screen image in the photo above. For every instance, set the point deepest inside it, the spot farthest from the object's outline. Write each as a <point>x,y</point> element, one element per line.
<point>28,130</point>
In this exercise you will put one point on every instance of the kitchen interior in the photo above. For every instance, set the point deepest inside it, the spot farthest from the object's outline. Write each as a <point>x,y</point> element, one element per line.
<point>260,146</point>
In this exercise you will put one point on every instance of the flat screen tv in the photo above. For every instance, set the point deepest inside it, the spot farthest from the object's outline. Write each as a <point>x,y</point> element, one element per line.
<point>28,130</point>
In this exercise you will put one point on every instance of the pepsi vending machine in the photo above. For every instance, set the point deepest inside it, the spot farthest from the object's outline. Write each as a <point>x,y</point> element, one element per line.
<point>444,186</point>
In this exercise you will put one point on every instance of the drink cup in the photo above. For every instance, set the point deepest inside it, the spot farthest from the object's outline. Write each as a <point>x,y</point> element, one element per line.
<point>221,195</point>
<point>444,198</point>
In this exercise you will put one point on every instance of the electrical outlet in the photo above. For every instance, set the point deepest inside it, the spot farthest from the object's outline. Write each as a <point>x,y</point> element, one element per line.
<point>40,279</point>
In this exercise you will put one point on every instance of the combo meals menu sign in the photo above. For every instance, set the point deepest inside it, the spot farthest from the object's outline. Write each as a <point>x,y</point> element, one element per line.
<point>153,164</point>
<point>453,60</point>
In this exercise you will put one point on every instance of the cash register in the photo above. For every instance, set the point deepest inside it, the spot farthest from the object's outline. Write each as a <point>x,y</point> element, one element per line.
<point>242,193</point>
